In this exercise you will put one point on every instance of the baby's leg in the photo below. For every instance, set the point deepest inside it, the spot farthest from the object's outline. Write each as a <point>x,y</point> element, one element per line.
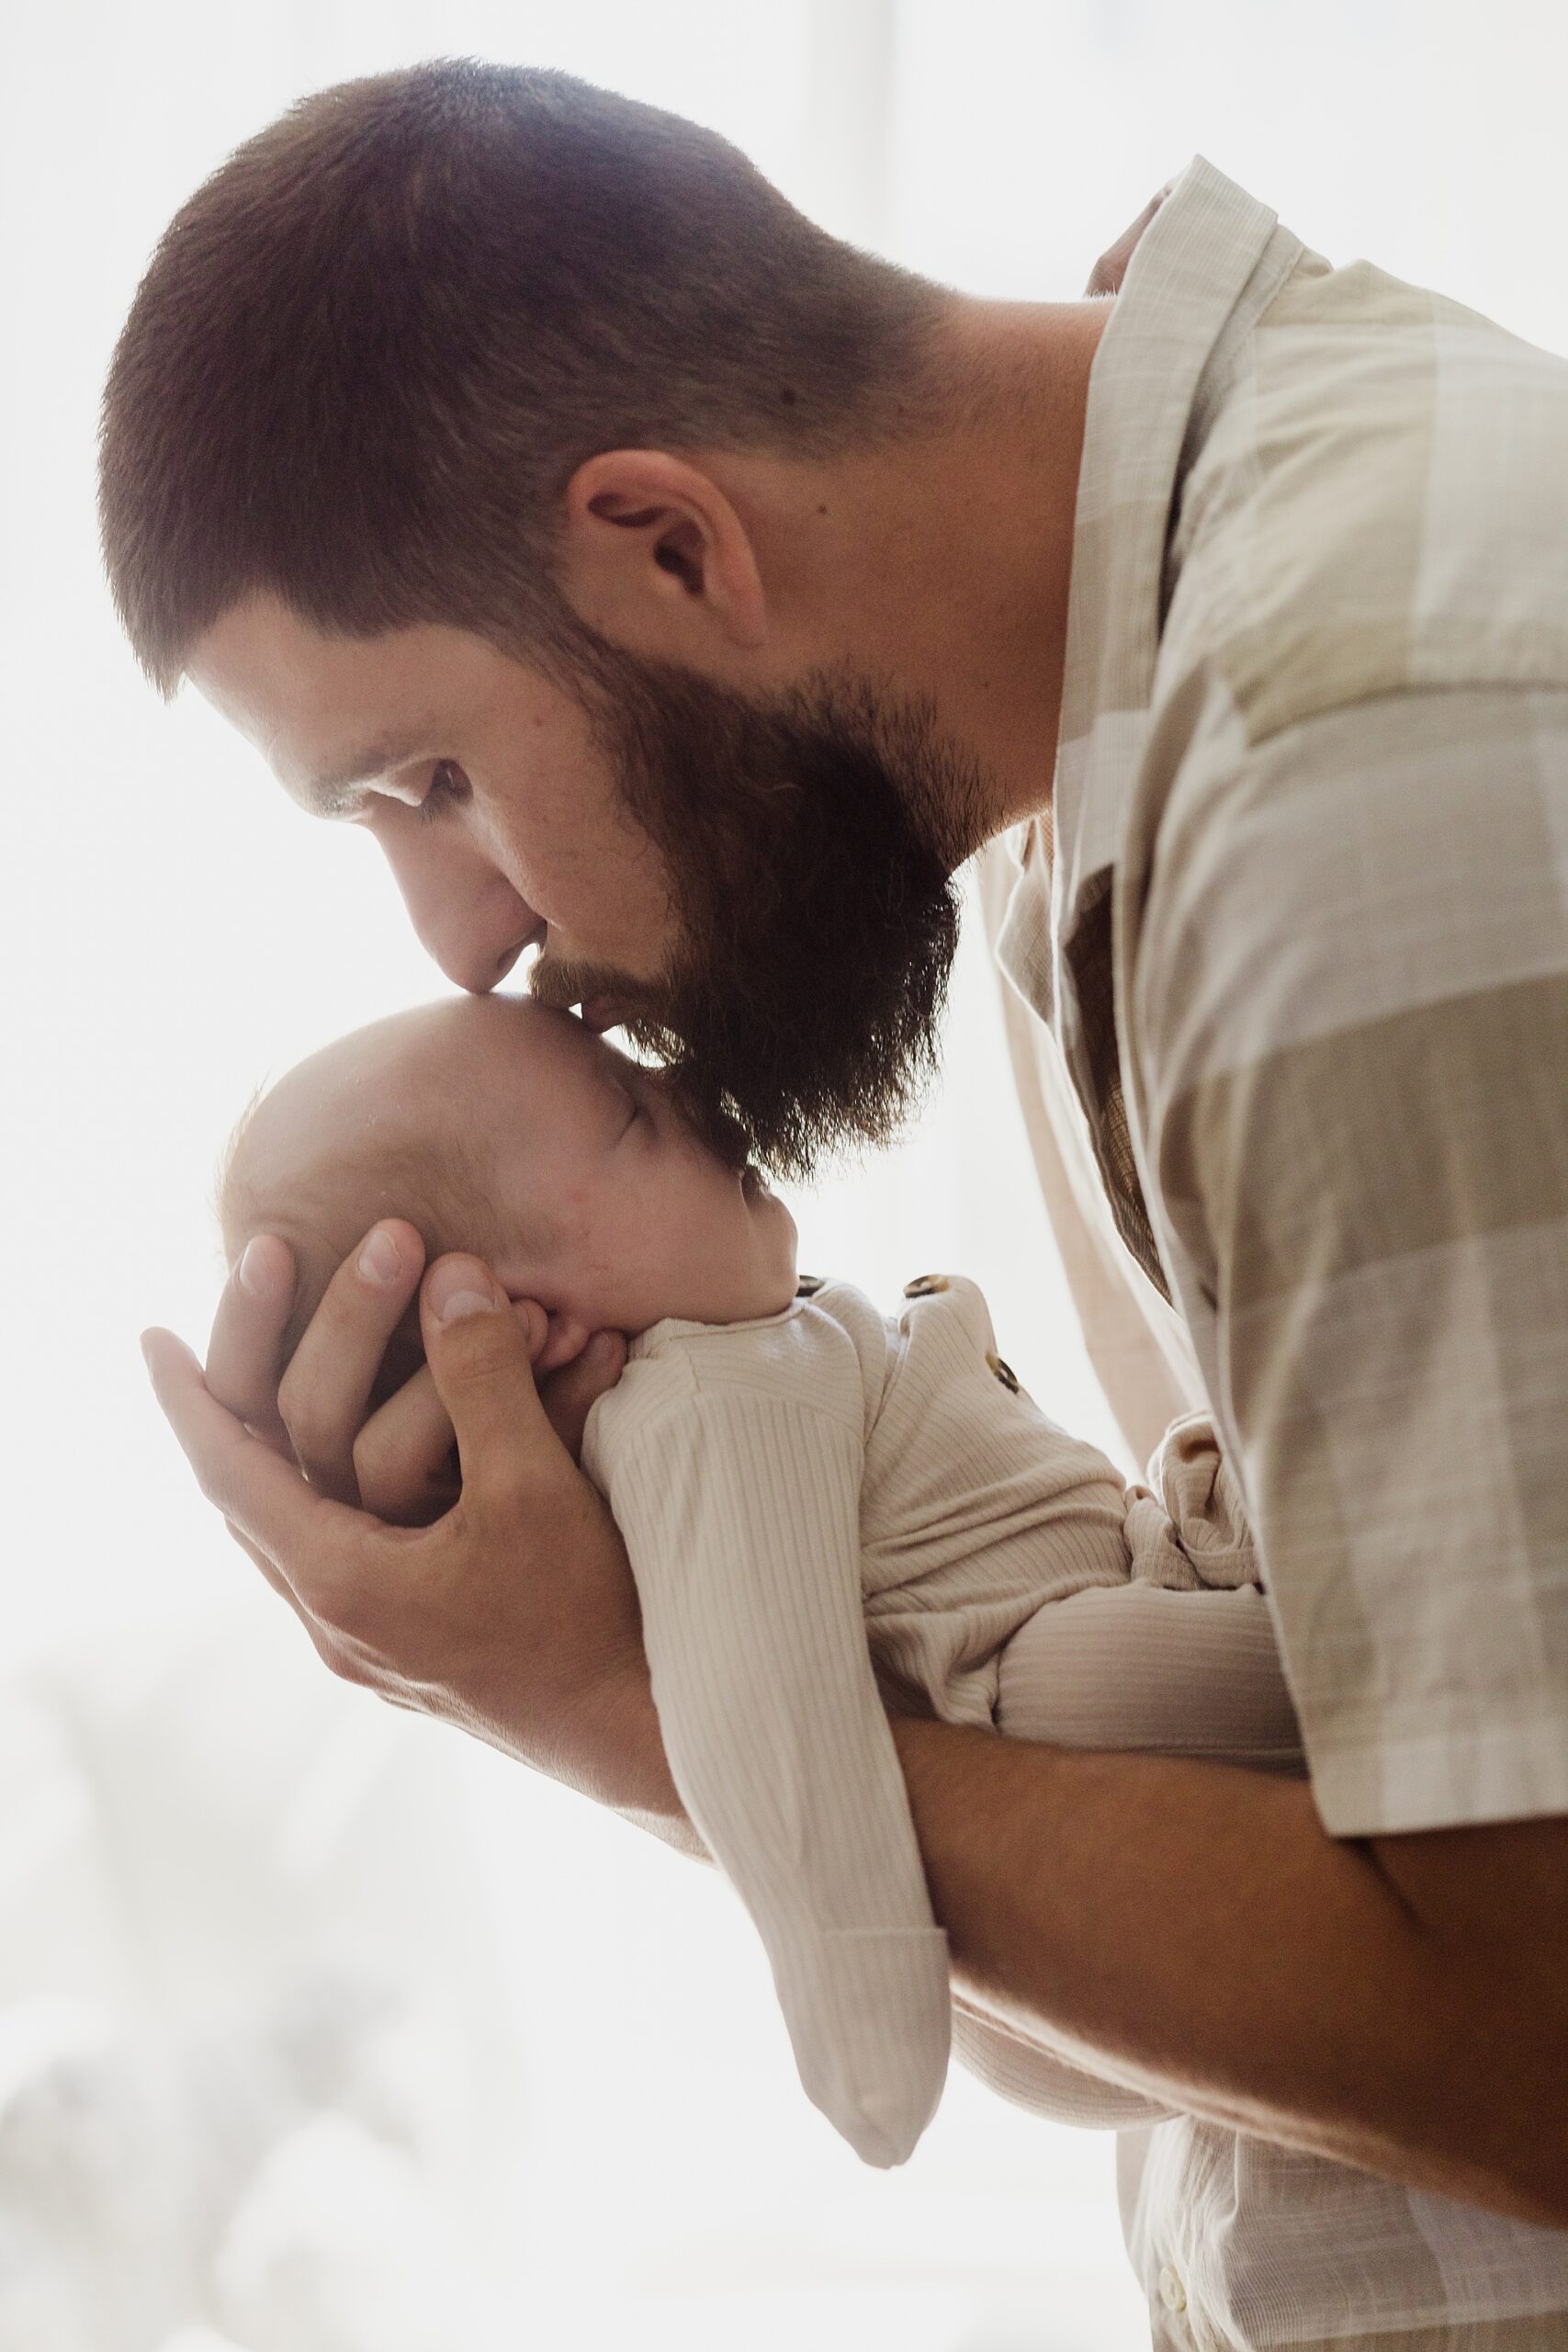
<point>1029,2074</point>
<point>1137,1665</point>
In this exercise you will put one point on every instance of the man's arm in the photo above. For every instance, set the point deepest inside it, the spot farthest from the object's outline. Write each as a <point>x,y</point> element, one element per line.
<point>1396,2003</point>
<point>1345,1029</point>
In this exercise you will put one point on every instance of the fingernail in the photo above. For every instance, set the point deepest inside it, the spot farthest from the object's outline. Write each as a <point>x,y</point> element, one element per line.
<point>251,1271</point>
<point>379,1261</point>
<point>461,1303</point>
<point>453,1294</point>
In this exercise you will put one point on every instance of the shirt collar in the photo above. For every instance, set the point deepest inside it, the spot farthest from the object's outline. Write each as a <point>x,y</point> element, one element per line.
<point>1208,247</point>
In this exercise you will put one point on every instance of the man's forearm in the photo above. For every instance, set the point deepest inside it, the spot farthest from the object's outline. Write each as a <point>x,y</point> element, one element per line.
<point>670,1826</point>
<point>1189,1929</point>
<point>629,1771</point>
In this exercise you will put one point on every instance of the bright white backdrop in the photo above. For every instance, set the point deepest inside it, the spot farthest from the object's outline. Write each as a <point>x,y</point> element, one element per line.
<point>172,931</point>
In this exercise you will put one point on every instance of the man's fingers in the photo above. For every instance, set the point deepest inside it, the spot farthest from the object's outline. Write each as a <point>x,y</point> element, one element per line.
<point>247,1331</point>
<point>264,1499</point>
<point>326,1389</point>
<point>403,1457</point>
<point>481,1358</point>
<point>273,1573</point>
<point>571,1393</point>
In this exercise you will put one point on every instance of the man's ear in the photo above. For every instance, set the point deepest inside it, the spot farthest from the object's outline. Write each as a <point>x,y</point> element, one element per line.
<point>564,1342</point>
<point>656,560</point>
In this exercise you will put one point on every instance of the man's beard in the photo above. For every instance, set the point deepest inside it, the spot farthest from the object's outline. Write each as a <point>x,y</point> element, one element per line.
<point>810,843</point>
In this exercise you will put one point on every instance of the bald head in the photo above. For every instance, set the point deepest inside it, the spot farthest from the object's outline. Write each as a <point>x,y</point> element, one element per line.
<point>378,1123</point>
<point>502,1127</point>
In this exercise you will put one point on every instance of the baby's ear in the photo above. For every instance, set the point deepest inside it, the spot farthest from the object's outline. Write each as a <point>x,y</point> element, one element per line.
<point>564,1344</point>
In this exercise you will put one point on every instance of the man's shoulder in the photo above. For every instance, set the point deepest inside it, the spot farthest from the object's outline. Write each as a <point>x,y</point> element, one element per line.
<point>1380,505</point>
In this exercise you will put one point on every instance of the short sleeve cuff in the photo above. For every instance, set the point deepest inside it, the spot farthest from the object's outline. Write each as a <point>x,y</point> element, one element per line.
<point>1444,1779</point>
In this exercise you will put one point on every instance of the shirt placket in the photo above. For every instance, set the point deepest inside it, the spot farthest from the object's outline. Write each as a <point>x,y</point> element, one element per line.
<point>1087,1013</point>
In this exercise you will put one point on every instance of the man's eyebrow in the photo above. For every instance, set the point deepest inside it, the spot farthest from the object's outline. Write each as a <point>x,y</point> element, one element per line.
<point>337,792</point>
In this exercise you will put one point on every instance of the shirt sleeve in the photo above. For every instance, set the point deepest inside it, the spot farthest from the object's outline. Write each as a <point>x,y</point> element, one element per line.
<point>739,1508</point>
<point>1350,1004</point>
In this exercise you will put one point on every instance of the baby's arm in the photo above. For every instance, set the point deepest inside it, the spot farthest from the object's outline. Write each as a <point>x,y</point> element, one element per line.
<point>740,1507</point>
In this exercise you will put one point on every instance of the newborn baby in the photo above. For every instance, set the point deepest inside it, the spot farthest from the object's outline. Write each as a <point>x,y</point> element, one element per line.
<point>829,1514</point>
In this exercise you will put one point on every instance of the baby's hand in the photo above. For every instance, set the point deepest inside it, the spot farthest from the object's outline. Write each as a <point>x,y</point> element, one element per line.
<point>396,1461</point>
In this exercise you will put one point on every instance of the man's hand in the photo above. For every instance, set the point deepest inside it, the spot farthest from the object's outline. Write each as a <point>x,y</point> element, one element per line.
<point>513,1614</point>
<point>396,1461</point>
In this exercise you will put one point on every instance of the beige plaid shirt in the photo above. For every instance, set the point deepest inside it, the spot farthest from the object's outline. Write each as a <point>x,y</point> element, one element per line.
<point>1289,1016</point>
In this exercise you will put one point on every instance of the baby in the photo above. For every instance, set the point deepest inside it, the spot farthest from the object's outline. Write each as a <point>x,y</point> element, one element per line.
<point>829,1514</point>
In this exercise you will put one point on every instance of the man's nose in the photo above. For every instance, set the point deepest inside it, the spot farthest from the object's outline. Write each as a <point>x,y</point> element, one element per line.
<point>464,912</point>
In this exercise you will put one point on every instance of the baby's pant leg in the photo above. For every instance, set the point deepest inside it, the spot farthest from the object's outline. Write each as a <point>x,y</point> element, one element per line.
<point>1139,1666</point>
<point>1028,2074</point>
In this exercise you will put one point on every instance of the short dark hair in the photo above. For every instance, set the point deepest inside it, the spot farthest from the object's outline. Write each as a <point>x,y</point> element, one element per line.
<point>372,349</point>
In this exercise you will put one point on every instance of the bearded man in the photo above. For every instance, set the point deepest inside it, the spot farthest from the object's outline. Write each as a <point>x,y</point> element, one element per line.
<point>668,586</point>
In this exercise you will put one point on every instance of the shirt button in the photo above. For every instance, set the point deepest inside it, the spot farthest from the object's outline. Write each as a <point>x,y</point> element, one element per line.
<point>1004,1372</point>
<point>1172,2294</point>
<point>925,1286</point>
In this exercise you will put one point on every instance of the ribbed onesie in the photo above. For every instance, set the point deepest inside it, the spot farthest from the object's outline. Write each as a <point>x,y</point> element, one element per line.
<point>830,1515</point>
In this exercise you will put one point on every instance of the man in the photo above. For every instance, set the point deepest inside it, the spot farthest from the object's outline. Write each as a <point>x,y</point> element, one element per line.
<point>665,585</point>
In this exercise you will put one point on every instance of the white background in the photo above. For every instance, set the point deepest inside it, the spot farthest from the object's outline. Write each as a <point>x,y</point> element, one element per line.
<point>172,931</point>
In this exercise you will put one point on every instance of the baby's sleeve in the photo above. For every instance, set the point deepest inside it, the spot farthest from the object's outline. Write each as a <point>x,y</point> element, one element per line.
<point>739,1507</point>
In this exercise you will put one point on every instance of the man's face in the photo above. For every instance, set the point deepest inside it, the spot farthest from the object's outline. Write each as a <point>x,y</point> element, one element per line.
<point>756,891</point>
<point>529,848</point>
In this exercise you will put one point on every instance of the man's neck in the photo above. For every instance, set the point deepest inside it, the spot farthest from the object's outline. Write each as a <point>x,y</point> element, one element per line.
<point>941,561</point>
<point>1000,544</point>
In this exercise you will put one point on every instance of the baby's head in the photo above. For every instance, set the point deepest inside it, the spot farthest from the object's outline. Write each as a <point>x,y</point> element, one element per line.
<point>496,1125</point>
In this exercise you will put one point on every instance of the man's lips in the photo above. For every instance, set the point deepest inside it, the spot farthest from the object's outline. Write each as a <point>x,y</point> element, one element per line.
<point>601,1012</point>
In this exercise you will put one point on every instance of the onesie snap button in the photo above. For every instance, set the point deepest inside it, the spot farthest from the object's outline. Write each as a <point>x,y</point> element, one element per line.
<point>925,1286</point>
<point>1172,2294</point>
<point>809,1284</point>
<point>1004,1372</point>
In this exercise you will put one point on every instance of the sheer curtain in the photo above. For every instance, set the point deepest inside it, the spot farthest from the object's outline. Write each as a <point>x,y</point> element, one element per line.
<point>615,2143</point>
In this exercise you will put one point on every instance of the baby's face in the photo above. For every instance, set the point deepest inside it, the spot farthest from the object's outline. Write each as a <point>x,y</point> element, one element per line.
<point>496,1125</point>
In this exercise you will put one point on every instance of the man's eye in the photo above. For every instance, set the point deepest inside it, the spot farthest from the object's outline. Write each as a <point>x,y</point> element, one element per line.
<point>447,786</point>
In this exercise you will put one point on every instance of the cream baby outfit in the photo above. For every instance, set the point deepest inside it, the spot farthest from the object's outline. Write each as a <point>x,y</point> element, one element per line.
<point>829,1514</point>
